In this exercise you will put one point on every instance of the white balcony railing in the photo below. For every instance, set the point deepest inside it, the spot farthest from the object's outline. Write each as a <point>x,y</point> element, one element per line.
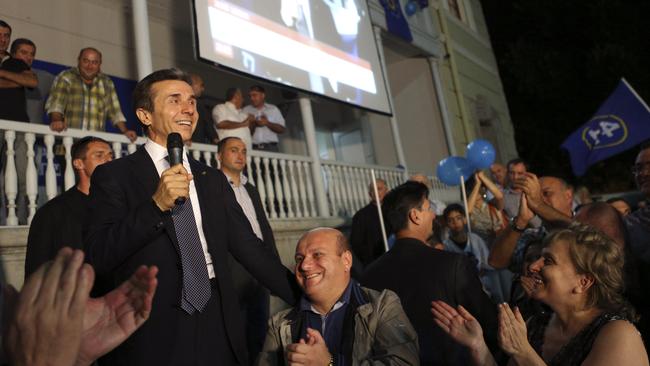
<point>285,182</point>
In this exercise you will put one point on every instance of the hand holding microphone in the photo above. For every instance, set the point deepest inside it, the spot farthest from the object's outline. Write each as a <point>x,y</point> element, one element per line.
<point>174,185</point>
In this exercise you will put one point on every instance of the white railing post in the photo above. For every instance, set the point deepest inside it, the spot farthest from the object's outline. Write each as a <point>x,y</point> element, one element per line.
<point>249,170</point>
<point>31,179</point>
<point>208,158</point>
<point>261,187</point>
<point>131,148</point>
<point>294,189</point>
<point>361,187</point>
<point>302,188</point>
<point>286,188</point>
<point>310,189</point>
<point>11,179</point>
<point>269,188</point>
<point>117,150</point>
<point>330,189</point>
<point>196,155</point>
<point>50,172</point>
<point>68,178</point>
<point>278,188</point>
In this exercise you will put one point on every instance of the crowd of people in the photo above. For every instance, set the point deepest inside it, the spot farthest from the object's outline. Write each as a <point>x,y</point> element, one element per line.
<point>85,98</point>
<point>147,261</point>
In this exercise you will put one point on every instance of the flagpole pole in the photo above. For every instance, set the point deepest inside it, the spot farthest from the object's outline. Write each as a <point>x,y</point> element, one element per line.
<point>462,187</point>
<point>381,217</point>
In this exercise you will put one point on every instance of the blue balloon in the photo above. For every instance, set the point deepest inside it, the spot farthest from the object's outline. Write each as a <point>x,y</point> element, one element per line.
<point>452,168</point>
<point>480,153</point>
<point>411,7</point>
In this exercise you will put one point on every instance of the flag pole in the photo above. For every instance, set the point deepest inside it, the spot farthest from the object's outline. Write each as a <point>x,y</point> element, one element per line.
<point>462,187</point>
<point>378,203</point>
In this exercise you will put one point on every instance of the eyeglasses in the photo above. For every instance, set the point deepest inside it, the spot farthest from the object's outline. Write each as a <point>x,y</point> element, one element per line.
<point>639,168</point>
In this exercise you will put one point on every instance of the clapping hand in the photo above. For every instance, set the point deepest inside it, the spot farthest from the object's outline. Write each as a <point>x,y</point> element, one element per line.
<point>311,352</point>
<point>459,324</point>
<point>512,332</point>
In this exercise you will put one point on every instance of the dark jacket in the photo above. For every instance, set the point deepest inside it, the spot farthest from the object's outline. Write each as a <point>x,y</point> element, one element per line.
<point>57,224</point>
<point>126,229</point>
<point>419,274</point>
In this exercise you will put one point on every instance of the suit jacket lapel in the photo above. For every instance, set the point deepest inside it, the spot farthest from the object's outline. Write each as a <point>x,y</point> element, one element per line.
<point>200,174</point>
<point>146,174</point>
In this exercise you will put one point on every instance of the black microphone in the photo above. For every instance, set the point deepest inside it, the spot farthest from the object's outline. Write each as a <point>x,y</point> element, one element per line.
<point>175,151</point>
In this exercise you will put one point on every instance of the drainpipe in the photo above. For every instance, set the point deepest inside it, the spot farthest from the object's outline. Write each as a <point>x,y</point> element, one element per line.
<point>393,120</point>
<point>444,110</point>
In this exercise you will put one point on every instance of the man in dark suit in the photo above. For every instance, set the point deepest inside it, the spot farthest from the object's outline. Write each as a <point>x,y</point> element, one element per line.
<point>59,223</point>
<point>253,297</point>
<point>420,274</point>
<point>144,211</point>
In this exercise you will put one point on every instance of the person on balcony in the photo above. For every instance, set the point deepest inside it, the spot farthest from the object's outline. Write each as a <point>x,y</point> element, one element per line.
<point>16,76</point>
<point>253,297</point>
<point>83,97</point>
<point>5,39</point>
<point>366,238</point>
<point>231,120</point>
<point>205,132</point>
<point>269,122</point>
<point>59,222</point>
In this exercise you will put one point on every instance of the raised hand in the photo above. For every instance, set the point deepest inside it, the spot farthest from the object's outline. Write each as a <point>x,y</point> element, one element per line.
<point>529,185</point>
<point>111,319</point>
<point>311,352</point>
<point>512,334</point>
<point>46,324</point>
<point>174,183</point>
<point>459,324</point>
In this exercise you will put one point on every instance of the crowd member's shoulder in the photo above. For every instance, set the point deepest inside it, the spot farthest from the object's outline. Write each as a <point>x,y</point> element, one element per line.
<point>617,343</point>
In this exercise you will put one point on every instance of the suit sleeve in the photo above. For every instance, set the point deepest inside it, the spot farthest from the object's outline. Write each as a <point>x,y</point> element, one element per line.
<point>263,264</point>
<point>114,230</point>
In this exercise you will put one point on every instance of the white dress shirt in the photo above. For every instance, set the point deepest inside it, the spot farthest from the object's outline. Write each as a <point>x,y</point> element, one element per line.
<point>228,112</point>
<point>159,154</point>
<point>246,203</point>
<point>263,134</point>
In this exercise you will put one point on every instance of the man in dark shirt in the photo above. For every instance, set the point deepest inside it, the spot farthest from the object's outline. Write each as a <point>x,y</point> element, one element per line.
<point>205,132</point>
<point>15,75</point>
<point>366,238</point>
<point>60,222</point>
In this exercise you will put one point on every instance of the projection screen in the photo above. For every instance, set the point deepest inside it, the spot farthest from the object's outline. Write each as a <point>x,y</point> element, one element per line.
<point>325,47</point>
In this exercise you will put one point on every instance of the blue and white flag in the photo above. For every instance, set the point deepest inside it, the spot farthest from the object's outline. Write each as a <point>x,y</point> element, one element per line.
<point>395,20</point>
<point>621,122</point>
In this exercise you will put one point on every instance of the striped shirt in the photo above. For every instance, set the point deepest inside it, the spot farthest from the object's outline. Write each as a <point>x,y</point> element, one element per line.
<point>86,107</point>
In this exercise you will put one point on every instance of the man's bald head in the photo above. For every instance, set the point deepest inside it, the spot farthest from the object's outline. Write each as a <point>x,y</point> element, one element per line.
<point>421,178</point>
<point>335,236</point>
<point>603,217</point>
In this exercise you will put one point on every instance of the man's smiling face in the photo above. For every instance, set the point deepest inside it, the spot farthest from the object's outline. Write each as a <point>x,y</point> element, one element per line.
<point>174,110</point>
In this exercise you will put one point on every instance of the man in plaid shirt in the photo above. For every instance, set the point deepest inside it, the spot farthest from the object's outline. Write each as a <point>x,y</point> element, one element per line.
<point>83,97</point>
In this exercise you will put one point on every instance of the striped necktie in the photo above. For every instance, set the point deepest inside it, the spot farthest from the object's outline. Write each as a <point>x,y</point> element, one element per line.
<point>196,284</point>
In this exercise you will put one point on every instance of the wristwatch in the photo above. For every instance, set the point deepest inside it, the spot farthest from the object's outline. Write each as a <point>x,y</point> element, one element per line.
<point>514,227</point>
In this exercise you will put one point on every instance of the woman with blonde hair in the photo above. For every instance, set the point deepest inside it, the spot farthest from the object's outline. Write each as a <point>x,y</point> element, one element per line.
<point>580,277</point>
